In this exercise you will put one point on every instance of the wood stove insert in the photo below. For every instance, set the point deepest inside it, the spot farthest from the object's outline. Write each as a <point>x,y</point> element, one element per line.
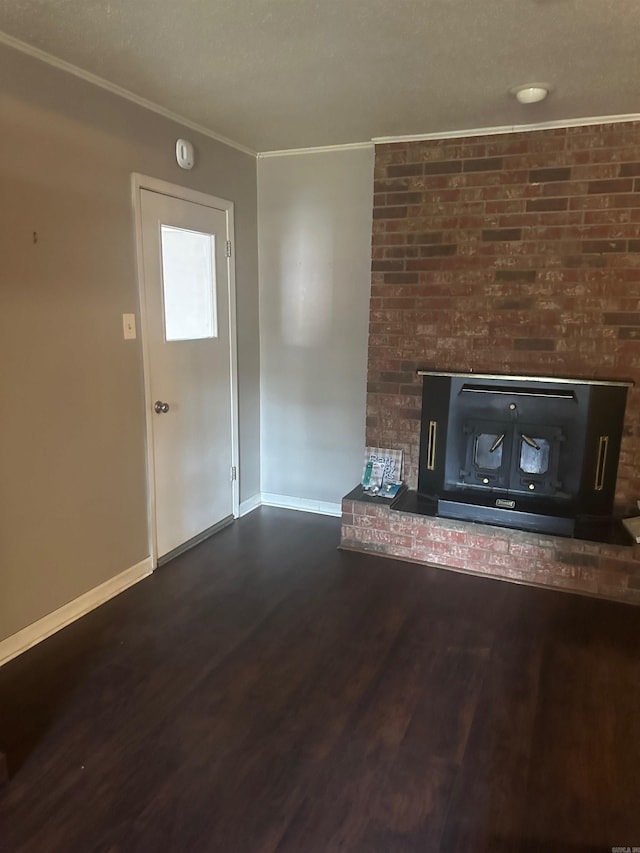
<point>534,453</point>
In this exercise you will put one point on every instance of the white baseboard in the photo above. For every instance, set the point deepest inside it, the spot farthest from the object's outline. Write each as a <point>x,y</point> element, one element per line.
<point>302,504</point>
<point>250,504</point>
<point>48,625</point>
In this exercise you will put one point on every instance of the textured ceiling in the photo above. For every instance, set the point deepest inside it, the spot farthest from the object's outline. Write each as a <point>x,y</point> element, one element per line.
<point>274,74</point>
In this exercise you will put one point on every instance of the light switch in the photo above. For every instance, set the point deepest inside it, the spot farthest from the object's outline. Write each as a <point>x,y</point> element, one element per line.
<point>129,326</point>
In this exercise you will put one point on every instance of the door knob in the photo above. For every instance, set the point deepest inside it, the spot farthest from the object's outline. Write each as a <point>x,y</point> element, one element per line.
<point>161,407</point>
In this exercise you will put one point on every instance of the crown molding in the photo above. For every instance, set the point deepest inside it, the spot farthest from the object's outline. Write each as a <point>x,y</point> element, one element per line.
<point>88,77</point>
<point>509,128</point>
<point>49,59</point>
<point>318,149</point>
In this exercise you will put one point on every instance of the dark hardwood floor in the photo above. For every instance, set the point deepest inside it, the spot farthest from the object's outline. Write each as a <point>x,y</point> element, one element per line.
<point>267,692</point>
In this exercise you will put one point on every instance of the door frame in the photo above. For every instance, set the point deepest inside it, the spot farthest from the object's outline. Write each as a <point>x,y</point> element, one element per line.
<point>141,182</point>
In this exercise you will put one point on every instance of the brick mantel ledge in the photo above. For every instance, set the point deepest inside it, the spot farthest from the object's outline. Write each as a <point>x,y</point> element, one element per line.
<point>592,568</point>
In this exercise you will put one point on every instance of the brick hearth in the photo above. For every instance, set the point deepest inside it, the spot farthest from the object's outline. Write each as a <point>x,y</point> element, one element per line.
<point>516,253</point>
<point>610,571</point>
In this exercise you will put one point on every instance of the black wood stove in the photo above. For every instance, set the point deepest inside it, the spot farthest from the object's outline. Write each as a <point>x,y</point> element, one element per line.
<point>533,453</point>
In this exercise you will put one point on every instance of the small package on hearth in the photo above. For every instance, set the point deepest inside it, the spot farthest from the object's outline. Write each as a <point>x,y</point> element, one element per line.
<point>390,490</point>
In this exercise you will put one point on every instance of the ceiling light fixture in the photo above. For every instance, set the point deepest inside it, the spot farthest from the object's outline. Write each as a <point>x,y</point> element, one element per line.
<point>531,93</point>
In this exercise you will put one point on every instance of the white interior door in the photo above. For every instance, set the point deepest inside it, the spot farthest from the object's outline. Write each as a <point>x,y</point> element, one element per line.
<point>188,346</point>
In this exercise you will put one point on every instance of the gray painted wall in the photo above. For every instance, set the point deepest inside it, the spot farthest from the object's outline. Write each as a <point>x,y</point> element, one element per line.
<point>72,460</point>
<point>314,213</point>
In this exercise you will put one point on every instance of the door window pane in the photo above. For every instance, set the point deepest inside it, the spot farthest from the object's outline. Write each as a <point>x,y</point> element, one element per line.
<point>189,284</point>
<point>489,451</point>
<point>535,459</point>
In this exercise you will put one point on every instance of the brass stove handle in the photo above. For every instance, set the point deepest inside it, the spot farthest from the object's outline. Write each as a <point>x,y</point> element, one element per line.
<point>431,445</point>
<point>601,466</point>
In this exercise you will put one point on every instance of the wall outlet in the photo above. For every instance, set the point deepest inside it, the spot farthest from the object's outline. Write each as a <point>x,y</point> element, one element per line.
<point>129,326</point>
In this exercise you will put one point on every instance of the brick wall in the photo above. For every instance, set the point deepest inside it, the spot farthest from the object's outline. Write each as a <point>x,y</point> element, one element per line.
<point>508,254</point>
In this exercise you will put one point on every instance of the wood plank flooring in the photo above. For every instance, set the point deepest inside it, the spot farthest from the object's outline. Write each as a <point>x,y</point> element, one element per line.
<point>267,692</point>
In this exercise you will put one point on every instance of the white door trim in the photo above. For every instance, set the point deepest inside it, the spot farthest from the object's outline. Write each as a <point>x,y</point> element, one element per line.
<point>143,182</point>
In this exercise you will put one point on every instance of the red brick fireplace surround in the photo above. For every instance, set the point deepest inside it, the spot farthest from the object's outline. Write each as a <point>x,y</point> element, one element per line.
<point>512,254</point>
